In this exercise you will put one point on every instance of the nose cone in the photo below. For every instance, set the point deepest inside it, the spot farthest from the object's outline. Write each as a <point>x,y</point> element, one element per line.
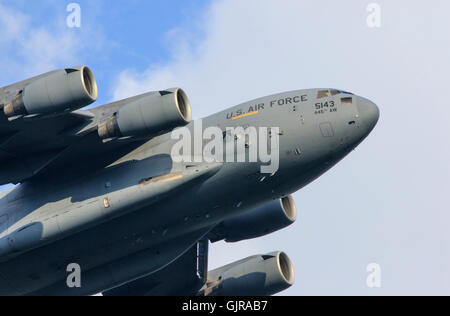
<point>369,114</point>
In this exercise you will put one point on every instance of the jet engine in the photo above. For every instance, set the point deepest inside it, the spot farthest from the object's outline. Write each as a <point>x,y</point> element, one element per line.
<point>260,275</point>
<point>258,222</point>
<point>54,92</point>
<point>150,115</point>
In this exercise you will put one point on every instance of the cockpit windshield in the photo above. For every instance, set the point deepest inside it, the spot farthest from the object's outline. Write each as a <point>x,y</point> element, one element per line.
<point>323,94</point>
<point>334,92</point>
<point>327,93</point>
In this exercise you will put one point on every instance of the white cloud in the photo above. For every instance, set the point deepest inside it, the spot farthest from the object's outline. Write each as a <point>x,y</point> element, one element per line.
<point>28,49</point>
<point>388,201</point>
<point>11,22</point>
<point>252,48</point>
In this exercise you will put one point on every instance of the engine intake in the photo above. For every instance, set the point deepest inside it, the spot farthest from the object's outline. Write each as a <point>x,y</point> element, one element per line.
<point>55,92</point>
<point>260,275</point>
<point>150,115</point>
<point>258,222</point>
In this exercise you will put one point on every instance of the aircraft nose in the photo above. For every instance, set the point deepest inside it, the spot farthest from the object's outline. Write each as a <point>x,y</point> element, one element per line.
<point>368,113</point>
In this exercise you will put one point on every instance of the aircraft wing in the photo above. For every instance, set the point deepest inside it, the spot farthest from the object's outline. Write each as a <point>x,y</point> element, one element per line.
<point>42,128</point>
<point>30,146</point>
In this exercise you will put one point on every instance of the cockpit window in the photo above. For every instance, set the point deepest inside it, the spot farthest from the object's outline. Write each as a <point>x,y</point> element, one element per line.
<point>335,92</point>
<point>323,94</point>
<point>347,100</point>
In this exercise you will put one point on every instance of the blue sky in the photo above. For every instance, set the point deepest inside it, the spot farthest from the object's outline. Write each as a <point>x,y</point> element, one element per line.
<point>113,36</point>
<point>386,203</point>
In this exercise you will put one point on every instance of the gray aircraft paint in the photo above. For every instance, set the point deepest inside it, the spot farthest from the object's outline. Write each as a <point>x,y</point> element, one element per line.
<point>311,143</point>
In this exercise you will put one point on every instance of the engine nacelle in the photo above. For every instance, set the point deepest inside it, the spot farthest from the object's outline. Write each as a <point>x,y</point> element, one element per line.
<point>258,222</point>
<point>260,275</point>
<point>55,92</point>
<point>151,115</point>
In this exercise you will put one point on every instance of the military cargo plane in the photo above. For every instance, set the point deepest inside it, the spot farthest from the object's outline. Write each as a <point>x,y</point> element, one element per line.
<point>116,193</point>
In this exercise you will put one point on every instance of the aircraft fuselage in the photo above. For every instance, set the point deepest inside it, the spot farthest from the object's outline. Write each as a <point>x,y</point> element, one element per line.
<point>147,208</point>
